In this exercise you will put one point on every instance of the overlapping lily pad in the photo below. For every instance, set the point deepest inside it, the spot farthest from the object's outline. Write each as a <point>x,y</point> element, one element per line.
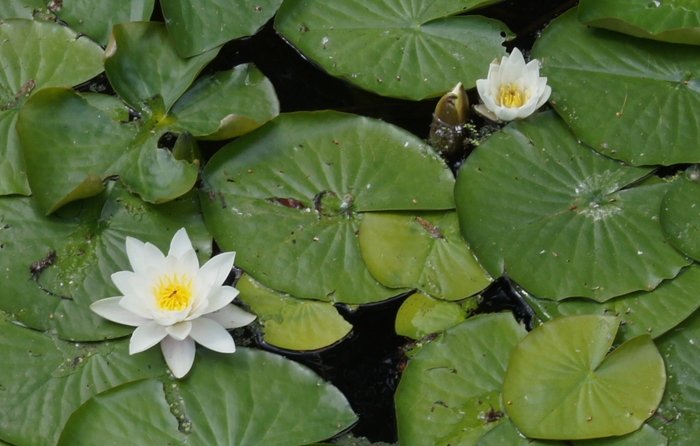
<point>35,55</point>
<point>292,323</point>
<point>247,398</point>
<point>560,384</point>
<point>421,315</point>
<point>450,392</point>
<point>680,213</point>
<point>675,21</point>
<point>424,251</point>
<point>56,266</point>
<point>289,198</point>
<point>399,48</point>
<point>654,312</point>
<point>560,219</point>
<point>199,26</point>
<point>45,379</point>
<point>624,96</point>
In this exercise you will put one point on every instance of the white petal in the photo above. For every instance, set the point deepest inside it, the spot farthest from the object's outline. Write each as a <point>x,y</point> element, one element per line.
<point>188,263</point>
<point>179,355</point>
<point>135,305</point>
<point>146,336</point>
<point>507,114</point>
<point>231,316</point>
<point>220,297</point>
<point>135,252</point>
<point>122,279</point>
<point>545,95</point>
<point>215,271</point>
<point>180,244</point>
<point>152,256</point>
<point>212,335</point>
<point>111,309</point>
<point>180,330</point>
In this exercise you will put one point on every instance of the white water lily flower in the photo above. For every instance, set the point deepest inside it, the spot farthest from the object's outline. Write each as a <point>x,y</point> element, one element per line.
<point>513,89</point>
<point>172,301</point>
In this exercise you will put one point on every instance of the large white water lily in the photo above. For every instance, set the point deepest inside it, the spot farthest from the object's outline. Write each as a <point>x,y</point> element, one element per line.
<point>513,89</point>
<point>174,302</point>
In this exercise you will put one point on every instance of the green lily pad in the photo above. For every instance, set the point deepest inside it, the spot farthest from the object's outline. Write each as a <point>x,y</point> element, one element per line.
<point>295,191</point>
<point>506,434</point>
<point>142,63</point>
<point>44,379</point>
<point>450,391</point>
<point>680,213</point>
<point>19,9</point>
<point>96,19</point>
<point>421,315</point>
<point>654,312</point>
<point>535,202</point>
<point>678,417</point>
<point>62,263</point>
<point>35,55</point>
<point>291,323</point>
<point>615,100</point>
<point>560,384</point>
<point>399,48</point>
<point>675,21</point>
<point>246,398</point>
<point>424,251</point>
<point>196,27</point>
<point>226,105</point>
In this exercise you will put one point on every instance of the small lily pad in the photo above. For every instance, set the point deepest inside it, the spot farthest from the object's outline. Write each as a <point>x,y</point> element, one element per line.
<point>615,100</point>
<point>450,392</point>
<point>676,21</point>
<point>424,251</point>
<point>560,384</point>
<point>399,48</point>
<point>247,398</point>
<point>421,315</point>
<point>680,213</point>
<point>535,202</point>
<point>291,323</point>
<point>296,190</point>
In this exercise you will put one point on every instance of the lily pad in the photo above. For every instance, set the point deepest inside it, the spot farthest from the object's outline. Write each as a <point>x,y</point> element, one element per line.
<point>246,398</point>
<point>450,391</point>
<point>295,191</point>
<point>399,48</point>
<point>292,323</point>
<point>680,213</point>
<point>618,102</point>
<point>424,251</point>
<point>196,27</point>
<point>560,384</point>
<point>62,263</point>
<point>20,9</point>
<point>35,55</point>
<point>676,21</point>
<point>654,312</point>
<point>678,417</point>
<point>421,315</point>
<point>562,220</point>
<point>40,371</point>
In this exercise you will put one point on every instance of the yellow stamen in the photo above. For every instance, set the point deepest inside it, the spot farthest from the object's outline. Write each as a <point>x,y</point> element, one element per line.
<point>510,96</point>
<point>173,293</point>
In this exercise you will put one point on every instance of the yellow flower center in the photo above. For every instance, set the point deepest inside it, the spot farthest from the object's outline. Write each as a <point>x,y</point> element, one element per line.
<point>173,293</point>
<point>509,95</point>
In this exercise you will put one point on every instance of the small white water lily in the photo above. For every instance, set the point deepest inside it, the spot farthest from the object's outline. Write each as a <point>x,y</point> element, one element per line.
<point>172,301</point>
<point>513,89</point>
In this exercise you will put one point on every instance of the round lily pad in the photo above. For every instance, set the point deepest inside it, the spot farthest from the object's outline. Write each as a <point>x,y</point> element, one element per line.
<point>292,323</point>
<point>676,21</point>
<point>40,370</point>
<point>562,220</point>
<point>424,251</point>
<point>35,55</point>
<point>399,48</point>
<point>60,264</point>
<point>246,398</point>
<point>450,392</point>
<point>680,213</point>
<point>289,198</point>
<point>616,100</point>
<point>654,312</point>
<point>560,384</point>
<point>421,315</point>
